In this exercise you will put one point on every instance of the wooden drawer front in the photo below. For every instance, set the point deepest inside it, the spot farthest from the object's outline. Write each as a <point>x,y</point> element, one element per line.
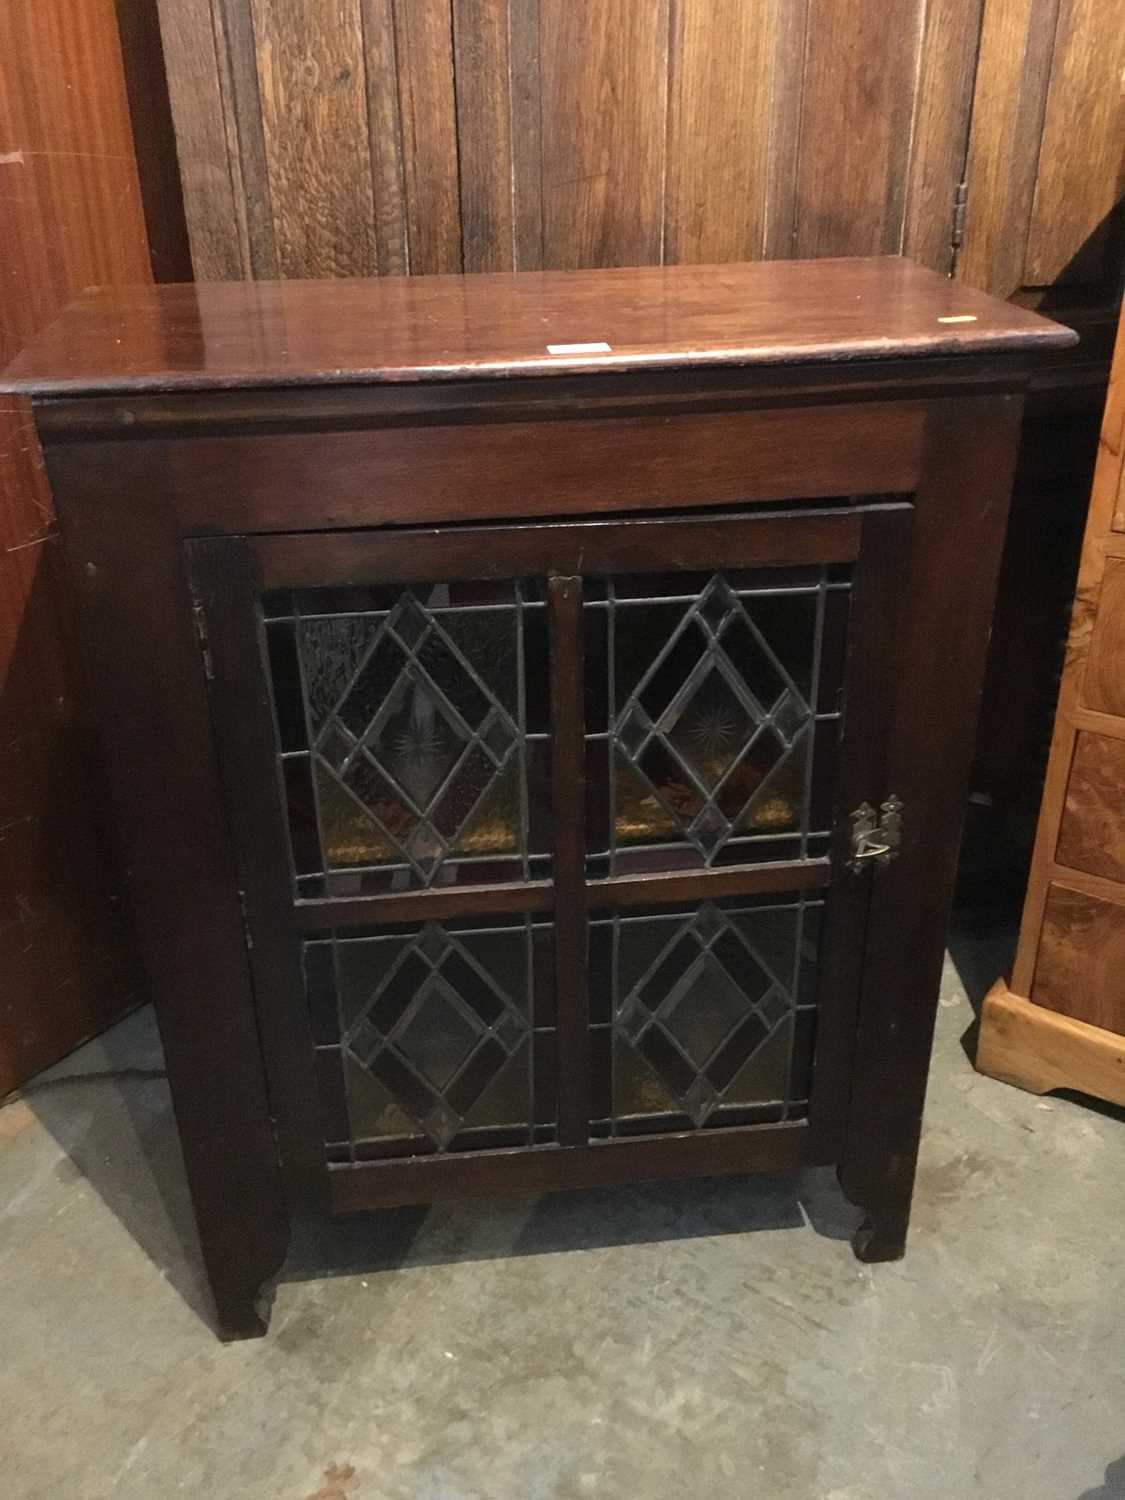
<point>1092,830</point>
<point>1082,958</point>
<point>500,470</point>
<point>1103,684</point>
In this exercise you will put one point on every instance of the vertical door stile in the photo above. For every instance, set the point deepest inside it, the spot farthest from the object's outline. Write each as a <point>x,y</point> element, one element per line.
<point>568,783</point>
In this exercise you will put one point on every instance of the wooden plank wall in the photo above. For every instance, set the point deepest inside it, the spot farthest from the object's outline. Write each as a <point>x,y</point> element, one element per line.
<point>357,137</point>
<point>72,216</point>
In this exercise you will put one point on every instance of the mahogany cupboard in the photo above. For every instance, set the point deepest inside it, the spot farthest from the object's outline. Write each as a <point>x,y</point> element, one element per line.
<point>539,708</point>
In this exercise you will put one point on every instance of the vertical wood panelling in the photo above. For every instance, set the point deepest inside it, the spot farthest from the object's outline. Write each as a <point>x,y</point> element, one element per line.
<point>527,143</point>
<point>1081,181</point>
<point>860,82</point>
<point>723,125</point>
<point>213,204</point>
<point>941,128</point>
<point>603,91</point>
<point>385,136</point>
<point>424,47</point>
<point>484,134</point>
<point>1017,40</point>
<point>246,143</point>
<point>314,117</point>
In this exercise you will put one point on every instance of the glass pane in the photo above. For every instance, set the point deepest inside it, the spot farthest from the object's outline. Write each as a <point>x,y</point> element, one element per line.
<point>413,720</point>
<point>438,1027</point>
<point>704,1005</point>
<point>703,712</point>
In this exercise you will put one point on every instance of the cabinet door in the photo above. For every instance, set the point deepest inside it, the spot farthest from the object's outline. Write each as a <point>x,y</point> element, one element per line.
<point>542,831</point>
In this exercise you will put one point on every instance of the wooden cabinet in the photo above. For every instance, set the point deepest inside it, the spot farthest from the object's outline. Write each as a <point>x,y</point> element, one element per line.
<point>540,709</point>
<point>1062,1024</point>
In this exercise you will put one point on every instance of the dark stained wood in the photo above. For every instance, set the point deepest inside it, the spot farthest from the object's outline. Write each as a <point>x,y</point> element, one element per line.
<point>558,547</point>
<point>288,333</point>
<point>701,885</point>
<point>959,506</point>
<point>484,135</point>
<point>457,473</point>
<point>424,906</point>
<point>133,498</point>
<point>147,676</point>
<point>877,605</point>
<point>223,584</point>
<point>856,135</point>
<point>711,1153</point>
<point>602,110</point>
<point>568,869</point>
<point>70,215</point>
<point>240,86</point>
<point>314,123</point>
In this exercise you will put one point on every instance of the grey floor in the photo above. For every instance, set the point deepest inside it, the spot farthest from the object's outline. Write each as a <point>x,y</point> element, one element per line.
<point>703,1339</point>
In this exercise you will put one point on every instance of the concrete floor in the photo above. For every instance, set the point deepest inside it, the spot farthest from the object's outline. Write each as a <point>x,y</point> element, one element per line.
<point>703,1339</point>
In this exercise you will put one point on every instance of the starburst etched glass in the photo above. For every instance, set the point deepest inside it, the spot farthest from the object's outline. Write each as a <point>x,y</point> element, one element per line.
<point>417,756</point>
<point>703,1017</point>
<point>714,714</point>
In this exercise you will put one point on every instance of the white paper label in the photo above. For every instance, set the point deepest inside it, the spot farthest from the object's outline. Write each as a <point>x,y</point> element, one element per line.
<point>960,318</point>
<point>579,349</point>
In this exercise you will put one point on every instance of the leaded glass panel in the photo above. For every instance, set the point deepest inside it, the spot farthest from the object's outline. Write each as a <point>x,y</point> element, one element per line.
<point>712,706</point>
<point>413,753</point>
<point>702,1016</point>
<point>434,1037</point>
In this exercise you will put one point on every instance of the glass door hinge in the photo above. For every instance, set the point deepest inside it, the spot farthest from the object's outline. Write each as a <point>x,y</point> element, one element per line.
<point>876,836</point>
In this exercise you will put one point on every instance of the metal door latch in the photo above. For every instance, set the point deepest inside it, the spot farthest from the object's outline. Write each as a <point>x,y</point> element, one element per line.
<point>876,836</point>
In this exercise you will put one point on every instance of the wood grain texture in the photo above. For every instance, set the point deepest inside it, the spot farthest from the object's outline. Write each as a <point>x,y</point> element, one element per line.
<point>384,129</point>
<point>1083,627</point>
<point>1039,1050</point>
<point>314,119</point>
<point>72,215</point>
<point>856,126</point>
<point>723,119</point>
<point>603,97</point>
<point>1103,682</point>
<point>944,96</point>
<point>1082,958</point>
<point>1075,230</point>
<point>1013,73</point>
<point>213,201</point>
<point>392,330</point>
<point>484,134</point>
<point>1092,829</point>
<point>424,50</point>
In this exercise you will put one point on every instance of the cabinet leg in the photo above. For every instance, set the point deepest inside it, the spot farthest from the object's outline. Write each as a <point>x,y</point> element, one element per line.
<point>881,1236</point>
<point>240,1317</point>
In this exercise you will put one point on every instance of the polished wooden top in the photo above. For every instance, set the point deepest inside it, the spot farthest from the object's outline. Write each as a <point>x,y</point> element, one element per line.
<point>220,335</point>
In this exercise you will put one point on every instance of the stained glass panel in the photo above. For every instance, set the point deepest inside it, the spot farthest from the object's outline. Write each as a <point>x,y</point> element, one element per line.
<point>414,752</point>
<point>703,1015</point>
<point>434,1037</point>
<point>708,698</point>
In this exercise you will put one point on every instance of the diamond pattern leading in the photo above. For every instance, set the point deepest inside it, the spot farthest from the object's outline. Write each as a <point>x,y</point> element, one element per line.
<point>712,721</point>
<point>702,1010</point>
<point>436,1031</point>
<point>408,735</point>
